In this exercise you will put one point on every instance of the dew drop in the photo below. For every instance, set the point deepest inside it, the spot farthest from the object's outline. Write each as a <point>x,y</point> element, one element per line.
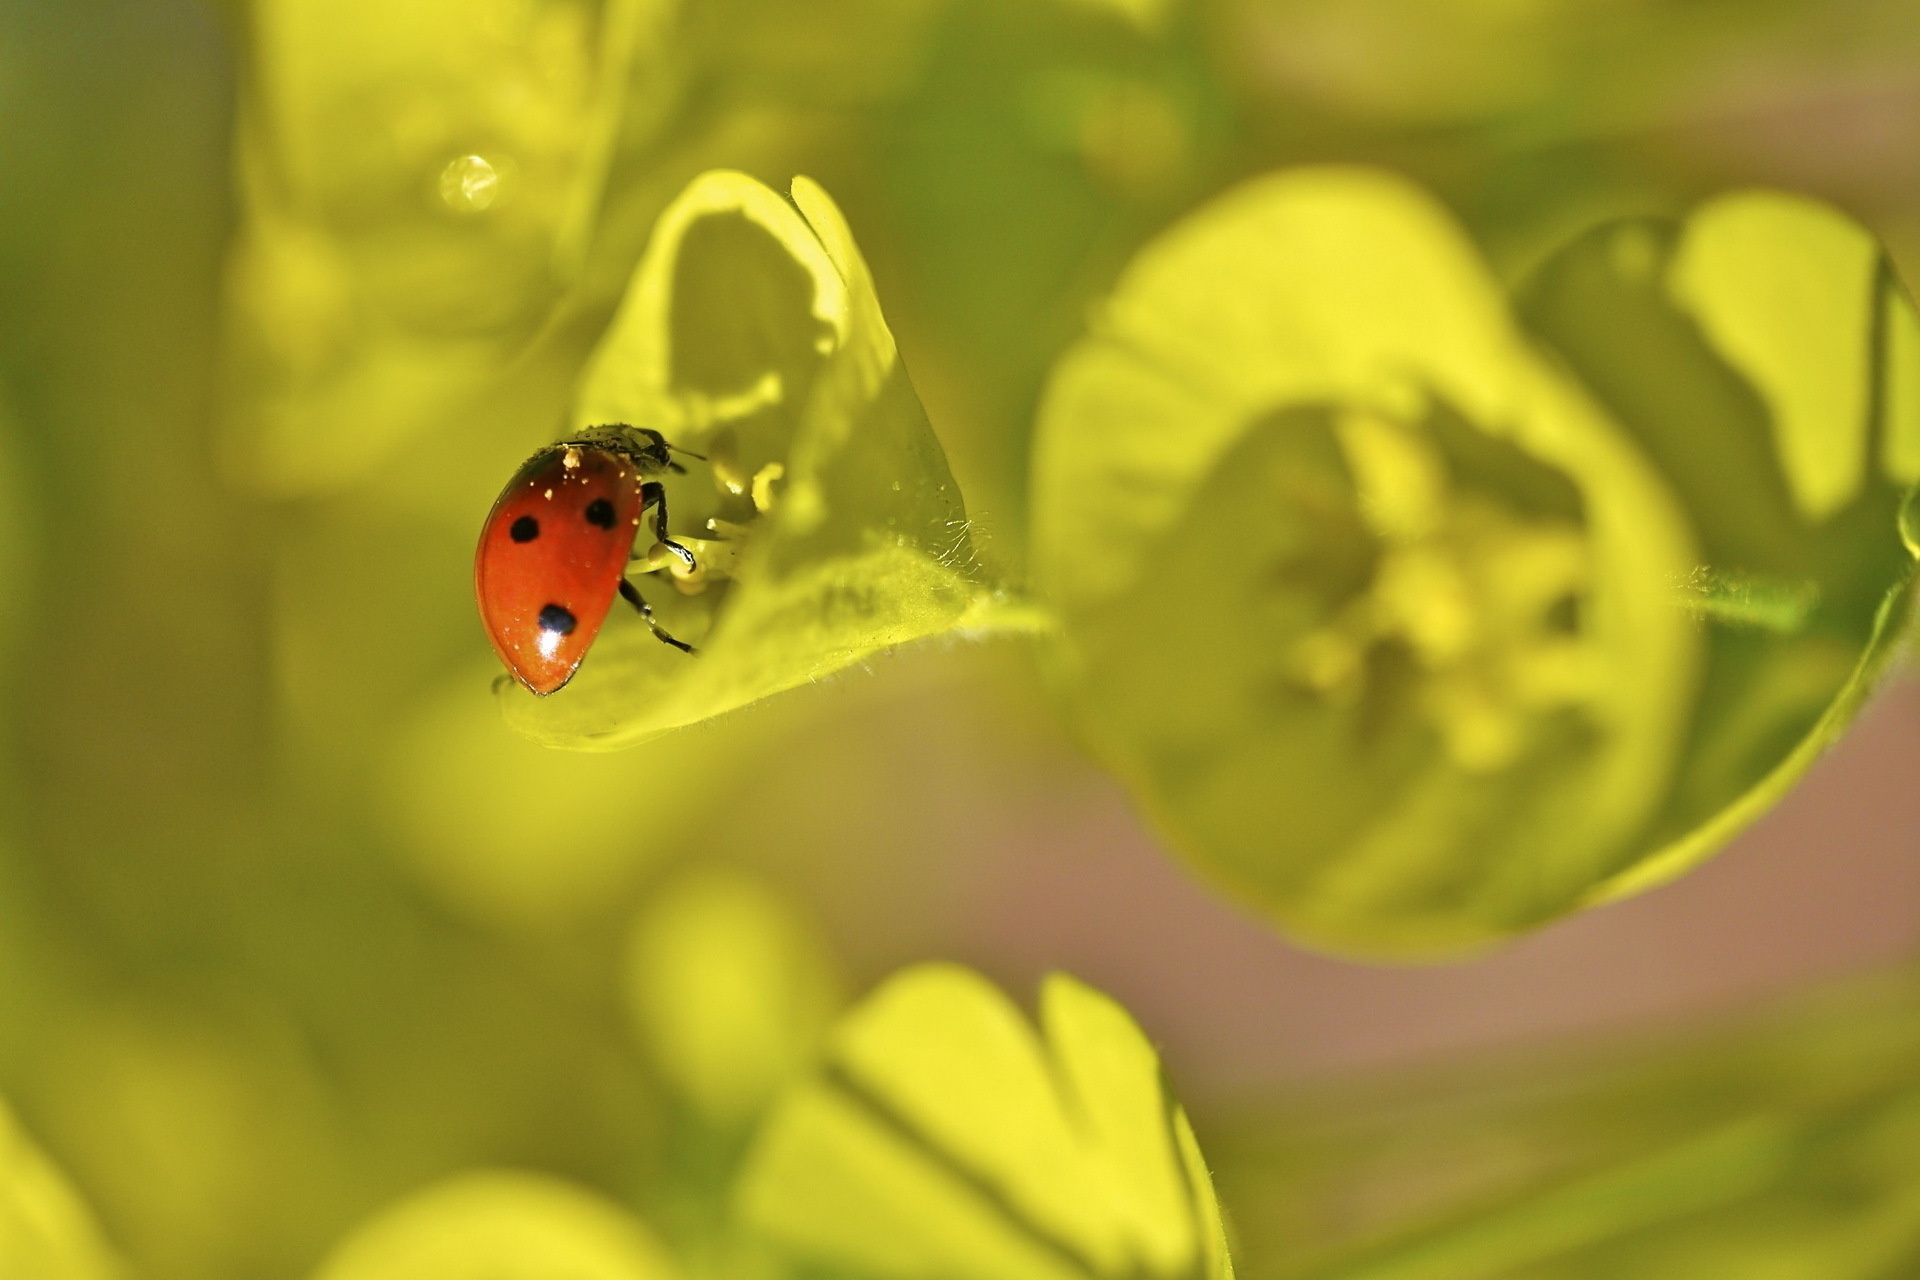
<point>469,184</point>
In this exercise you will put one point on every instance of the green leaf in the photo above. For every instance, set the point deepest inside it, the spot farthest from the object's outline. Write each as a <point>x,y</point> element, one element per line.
<point>491,1224</point>
<point>1373,607</point>
<point>46,1231</point>
<point>731,990</point>
<point>751,334</point>
<point>1764,355</point>
<point>947,1138</point>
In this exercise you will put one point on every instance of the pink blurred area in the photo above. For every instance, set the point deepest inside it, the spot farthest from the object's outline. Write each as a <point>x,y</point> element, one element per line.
<point>1069,878</point>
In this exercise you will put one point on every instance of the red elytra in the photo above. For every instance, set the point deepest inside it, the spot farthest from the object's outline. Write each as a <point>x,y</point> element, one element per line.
<point>552,556</point>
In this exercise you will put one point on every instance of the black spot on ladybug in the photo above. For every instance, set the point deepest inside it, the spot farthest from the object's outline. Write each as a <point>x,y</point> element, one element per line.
<point>556,618</point>
<point>525,529</point>
<point>600,512</point>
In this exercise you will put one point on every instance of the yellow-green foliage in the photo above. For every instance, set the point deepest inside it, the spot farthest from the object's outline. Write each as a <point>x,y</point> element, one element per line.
<point>1426,558</point>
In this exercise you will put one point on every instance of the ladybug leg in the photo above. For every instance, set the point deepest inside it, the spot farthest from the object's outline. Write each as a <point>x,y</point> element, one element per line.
<point>631,594</point>
<point>654,494</point>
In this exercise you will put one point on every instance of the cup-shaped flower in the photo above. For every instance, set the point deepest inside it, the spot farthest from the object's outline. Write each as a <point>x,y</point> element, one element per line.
<point>816,501</point>
<point>1412,633</point>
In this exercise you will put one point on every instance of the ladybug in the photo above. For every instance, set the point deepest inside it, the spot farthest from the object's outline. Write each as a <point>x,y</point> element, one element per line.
<point>555,548</point>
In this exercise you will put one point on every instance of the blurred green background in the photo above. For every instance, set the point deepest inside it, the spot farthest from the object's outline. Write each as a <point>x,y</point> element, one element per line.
<point>291,924</point>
